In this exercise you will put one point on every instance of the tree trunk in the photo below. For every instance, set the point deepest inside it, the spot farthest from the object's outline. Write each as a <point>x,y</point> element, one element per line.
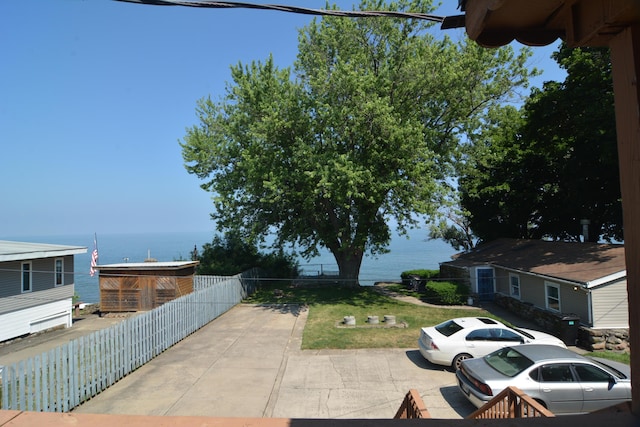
<point>349,262</point>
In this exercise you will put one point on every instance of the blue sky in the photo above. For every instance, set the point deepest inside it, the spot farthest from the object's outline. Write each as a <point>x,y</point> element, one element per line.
<point>96,94</point>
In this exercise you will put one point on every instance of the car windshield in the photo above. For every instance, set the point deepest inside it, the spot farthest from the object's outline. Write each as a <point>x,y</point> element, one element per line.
<point>448,328</point>
<point>508,361</point>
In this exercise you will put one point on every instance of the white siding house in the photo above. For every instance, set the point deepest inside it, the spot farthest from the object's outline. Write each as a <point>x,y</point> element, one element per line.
<point>36,287</point>
<point>610,305</point>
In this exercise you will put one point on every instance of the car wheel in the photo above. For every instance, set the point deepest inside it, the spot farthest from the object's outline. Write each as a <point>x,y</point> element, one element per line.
<point>458,360</point>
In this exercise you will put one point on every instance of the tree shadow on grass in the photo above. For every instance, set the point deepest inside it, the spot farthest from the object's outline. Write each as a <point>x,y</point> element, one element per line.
<point>294,309</point>
<point>309,294</point>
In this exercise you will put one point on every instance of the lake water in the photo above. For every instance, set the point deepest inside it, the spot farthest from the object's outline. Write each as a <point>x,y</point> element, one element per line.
<point>405,254</point>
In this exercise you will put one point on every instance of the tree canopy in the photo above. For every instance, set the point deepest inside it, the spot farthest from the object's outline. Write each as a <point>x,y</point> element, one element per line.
<point>361,132</point>
<point>552,164</point>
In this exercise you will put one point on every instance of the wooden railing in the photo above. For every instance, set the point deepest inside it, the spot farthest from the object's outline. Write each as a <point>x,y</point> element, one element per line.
<point>511,403</point>
<point>412,407</point>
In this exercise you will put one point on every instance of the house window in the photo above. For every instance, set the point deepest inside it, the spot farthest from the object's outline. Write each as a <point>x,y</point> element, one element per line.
<point>514,285</point>
<point>59,272</point>
<point>553,296</point>
<point>26,277</point>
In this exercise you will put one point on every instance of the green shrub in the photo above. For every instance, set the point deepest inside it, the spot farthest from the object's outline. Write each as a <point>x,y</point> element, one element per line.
<point>423,275</point>
<point>229,255</point>
<point>446,293</point>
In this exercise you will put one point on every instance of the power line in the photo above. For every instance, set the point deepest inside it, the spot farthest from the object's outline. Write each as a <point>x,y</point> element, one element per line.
<point>290,9</point>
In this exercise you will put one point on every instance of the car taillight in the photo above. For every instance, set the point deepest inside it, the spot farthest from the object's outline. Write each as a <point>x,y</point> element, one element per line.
<point>434,346</point>
<point>485,389</point>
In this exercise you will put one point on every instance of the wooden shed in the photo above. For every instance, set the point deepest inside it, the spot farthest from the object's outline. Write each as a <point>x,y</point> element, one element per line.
<point>145,285</point>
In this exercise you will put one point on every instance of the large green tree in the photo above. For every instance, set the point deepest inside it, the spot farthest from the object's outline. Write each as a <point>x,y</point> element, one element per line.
<point>362,132</point>
<point>554,163</point>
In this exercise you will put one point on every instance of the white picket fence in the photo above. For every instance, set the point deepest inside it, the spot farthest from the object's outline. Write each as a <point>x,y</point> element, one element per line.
<point>64,377</point>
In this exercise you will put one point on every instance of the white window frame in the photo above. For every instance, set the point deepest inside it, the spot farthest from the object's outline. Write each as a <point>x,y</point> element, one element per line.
<point>513,286</point>
<point>29,270</point>
<point>547,286</point>
<point>57,273</point>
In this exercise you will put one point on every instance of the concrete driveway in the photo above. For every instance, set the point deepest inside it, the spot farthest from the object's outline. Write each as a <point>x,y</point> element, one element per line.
<point>248,363</point>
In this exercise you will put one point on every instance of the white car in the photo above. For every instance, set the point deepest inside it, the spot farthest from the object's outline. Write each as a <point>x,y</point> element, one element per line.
<point>455,340</point>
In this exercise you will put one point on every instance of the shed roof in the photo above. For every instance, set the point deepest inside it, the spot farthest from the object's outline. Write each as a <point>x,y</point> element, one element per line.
<point>21,251</point>
<point>587,263</point>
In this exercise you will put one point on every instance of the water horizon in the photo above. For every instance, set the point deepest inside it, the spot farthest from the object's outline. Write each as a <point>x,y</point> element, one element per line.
<point>404,254</point>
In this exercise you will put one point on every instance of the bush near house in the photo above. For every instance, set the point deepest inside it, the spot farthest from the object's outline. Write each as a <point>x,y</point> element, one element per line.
<point>434,291</point>
<point>417,279</point>
<point>446,293</point>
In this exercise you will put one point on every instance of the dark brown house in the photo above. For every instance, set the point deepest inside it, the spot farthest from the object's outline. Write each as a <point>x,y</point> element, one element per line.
<point>144,285</point>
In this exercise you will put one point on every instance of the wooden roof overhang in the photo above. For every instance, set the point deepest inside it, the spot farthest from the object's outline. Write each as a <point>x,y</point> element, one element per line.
<point>494,23</point>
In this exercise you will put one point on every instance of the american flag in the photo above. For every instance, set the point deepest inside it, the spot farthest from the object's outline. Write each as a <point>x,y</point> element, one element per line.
<point>94,257</point>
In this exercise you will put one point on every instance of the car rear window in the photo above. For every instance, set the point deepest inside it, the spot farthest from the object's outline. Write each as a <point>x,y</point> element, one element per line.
<point>508,361</point>
<point>599,362</point>
<point>448,328</point>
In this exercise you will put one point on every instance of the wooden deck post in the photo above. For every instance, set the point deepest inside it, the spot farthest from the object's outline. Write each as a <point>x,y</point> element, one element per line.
<point>625,59</point>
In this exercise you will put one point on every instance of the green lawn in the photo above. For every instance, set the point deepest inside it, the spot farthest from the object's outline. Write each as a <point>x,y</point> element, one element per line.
<point>612,355</point>
<point>328,305</point>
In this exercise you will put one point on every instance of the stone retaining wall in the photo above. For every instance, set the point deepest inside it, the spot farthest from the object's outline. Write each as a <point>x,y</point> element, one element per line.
<point>606,339</point>
<point>553,323</point>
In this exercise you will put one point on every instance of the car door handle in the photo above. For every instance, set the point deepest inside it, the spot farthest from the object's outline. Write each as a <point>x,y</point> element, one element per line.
<point>546,390</point>
<point>588,389</point>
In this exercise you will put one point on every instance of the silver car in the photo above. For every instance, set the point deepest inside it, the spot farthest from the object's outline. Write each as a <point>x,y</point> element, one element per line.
<point>564,382</point>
